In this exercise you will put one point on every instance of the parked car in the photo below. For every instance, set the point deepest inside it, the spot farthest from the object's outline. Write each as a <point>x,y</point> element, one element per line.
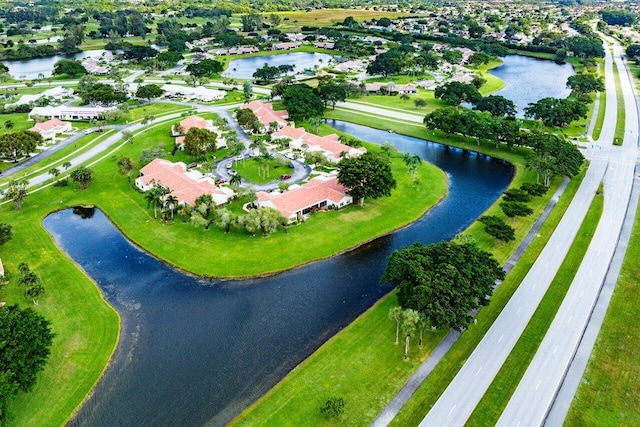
<point>285,176</point>
<point>192,165</point>
<point>229,165</point>
<point>292,166</point>
<point>233,172</point>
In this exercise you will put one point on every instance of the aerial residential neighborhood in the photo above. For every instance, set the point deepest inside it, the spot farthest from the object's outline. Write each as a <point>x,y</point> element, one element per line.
<point>295,213</point>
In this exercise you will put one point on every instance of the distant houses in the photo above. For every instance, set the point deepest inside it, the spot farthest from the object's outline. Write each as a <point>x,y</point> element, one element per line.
<point>57,93</point>
<point>185,185</point>
<point>50,128</point>
<point>65,112</point>
<point>298,202</point>
<point>198,93</point>
<point>390,88</point>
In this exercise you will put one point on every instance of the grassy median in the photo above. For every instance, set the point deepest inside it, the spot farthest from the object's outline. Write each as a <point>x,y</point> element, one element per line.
<point>499,392</point>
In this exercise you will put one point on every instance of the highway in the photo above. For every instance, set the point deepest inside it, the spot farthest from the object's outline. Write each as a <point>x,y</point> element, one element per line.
<point>537,390</point>
<point>462,395</point>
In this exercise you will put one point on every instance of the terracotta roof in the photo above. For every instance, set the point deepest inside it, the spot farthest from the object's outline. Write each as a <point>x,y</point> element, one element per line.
<point>48,125</point>
<point>329,143</point>
<point>173,176</point>
<point>266,114</point>
<point>310,194</point>
<point>289,132</point>
<point>193,122</point>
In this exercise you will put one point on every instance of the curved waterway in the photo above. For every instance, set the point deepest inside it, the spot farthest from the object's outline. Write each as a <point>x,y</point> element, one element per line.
<point>196,352</point>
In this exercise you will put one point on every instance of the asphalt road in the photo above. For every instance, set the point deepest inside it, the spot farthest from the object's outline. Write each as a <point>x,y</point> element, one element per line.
<point>537,390</point>
<point>461,397</point>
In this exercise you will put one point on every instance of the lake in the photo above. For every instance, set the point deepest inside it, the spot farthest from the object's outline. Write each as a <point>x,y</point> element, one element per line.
<point>196,351</point>
<point>245,67</point>
<point>29,69</point>
<point>530,79</point>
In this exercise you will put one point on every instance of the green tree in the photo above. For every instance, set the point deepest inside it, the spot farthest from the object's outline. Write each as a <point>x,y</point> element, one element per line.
<point>410,320</point>
<point>368,175</point>
<point>248,120</point>
<point>556,111</point>
<point>83,176</point>
<point>247,89</point>
<point>301,102</point>
<point>454,93</point>
<point>513,209</point>
<point>412,162</point>
<point>274,19</point>
<point>126,167</point>
<point>8,124</point>
<point>225,219</point>
<point>5,233</point>
<point>25,340</point>
<point>206,67</point>
<point>149,92</point>
<point>333,407</point>
<point>387,63</point>
<point>331,93</point>
<point>15,145</point>
<point>444,281</point>
<point>17,193</point>
<point>496,227</point>
<point>198,142</point>
<point>235,180</point>
<point>251,22</point>
<point>553,155</point>
<point>266,73</point>
<point>70,67</point>
<point>149,154</point>
<point>496,105</point>
<point>585,83</point>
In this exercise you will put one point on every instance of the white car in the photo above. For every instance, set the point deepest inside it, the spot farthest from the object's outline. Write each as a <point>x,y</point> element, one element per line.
<point>229,165</point>
<point>233,172</point>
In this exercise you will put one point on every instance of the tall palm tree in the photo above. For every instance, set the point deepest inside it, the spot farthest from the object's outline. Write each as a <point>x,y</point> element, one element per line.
<point>171,202</point>
<point>235,180</point>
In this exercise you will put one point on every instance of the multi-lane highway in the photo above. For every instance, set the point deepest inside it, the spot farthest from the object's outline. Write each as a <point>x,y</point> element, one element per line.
<point>459,400</point>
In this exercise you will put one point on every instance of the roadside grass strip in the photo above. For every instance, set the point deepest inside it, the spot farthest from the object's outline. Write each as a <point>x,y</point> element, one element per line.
<point>426,396</point>
<point>497,396</point>
<point>597,129</point>
<point>620,130</point>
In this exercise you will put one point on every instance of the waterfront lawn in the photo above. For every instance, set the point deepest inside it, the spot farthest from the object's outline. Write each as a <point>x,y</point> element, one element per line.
<point>360,364</point>
<point>86,327</point>
<point>497,396</point>
<point>427,394</point>
<point>609,390</point>
<point>396,102</point>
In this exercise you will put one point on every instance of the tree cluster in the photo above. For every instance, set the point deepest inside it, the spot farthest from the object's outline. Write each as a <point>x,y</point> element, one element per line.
<point>70,67</point>
<point>31,282</point>
<point>205,68</point>
<point>102,93</point>
<point>557,111</point>
<point>445,281</point>
<point>367,175</point>
<point>16,145</point>
<point>25,340</point>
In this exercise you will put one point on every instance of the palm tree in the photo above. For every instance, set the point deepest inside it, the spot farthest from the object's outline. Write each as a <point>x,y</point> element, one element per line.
<point>8,124</point>
<point>396,313</point>
<point>235,180</point>
<point>410,319</point>
<point>54,172</point>
<point>171,202</point>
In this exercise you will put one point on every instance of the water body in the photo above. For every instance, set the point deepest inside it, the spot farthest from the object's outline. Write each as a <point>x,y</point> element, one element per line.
<point>530,79</point>
<point>197,352</point>
<point>29,69</point>
<point>245,67</point>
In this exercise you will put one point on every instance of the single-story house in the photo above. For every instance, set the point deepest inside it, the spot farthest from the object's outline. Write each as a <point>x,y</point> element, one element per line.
<point>200,93</point>
<point>51,128</point>
<point>329,145</point>
<point>267,115</point>
<point>350,66</point>
<point>57,93</point>
<point>185,185</point>
<point>200,123</point>
<point>286,45</point>
<point>65,112</point>
<point>299,201</point>
<point>92,66</point>
<point>390,88</point>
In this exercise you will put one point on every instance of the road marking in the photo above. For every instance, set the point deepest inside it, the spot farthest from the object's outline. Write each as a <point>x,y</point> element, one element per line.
<point>519,308</point>
<point>570,319</point>
<point>454,407</point>
<point>539,382</point>
<point>555,349</point>
<point>580,296</point>
<point>534,286</point>
<point>479,369</point>
<point>501,336</point>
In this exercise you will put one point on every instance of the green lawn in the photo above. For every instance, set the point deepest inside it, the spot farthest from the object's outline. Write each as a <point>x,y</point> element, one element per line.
<point>620,130</point>
<point>360,364</point>
<point>497,396</point>
<point>260,171</point>
<point>597,129</point>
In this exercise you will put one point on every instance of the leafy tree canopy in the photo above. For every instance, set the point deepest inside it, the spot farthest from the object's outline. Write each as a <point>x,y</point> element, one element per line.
<point>496,105</point>
<point>302,102</point>
<point>71,67</point>
<point>454,93</point>
<point>443,281</point>
<point>556,111</point>
<point>206,67</point>
<point>368,175</point>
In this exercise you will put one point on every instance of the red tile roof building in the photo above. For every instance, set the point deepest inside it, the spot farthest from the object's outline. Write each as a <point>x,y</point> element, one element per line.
<point>185,185</point>
<point>329,145</point>
<point>267,115</point>
<point>297,202</point>
<point>51,127</point>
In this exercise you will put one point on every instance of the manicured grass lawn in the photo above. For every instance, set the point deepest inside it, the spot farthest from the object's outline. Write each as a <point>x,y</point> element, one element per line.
<point>86,327</point>
<point>260,171</point>
<point>159,109</point>
<point>609,393</point>
<point>325,17</point>
<point>597,129</point>
<point>435,384</point>
<point>497,396</point>
<point>619,133</point>
<point>361,364</point>
<point>397,103</point>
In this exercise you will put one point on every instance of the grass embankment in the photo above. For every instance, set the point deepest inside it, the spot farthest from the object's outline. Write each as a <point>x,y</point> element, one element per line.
<point>86,327</point>
<point>597,129</point>
<point>609,391</point>
<point>426,396</point>
<point>618,136</point>
<point>497,396</point>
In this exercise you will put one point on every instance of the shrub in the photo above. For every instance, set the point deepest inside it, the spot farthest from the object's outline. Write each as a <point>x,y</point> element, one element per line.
<point>535,189</point>
<point>497,228</point>
<point>512,209</point>
<point>333,407</point>
<point>516,195</point>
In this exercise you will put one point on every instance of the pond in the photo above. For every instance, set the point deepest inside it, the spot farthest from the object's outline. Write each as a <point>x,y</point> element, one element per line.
<point>245,67</point>
<point>29,69</point>
<point>197,351</point>
<point>530,79</point>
